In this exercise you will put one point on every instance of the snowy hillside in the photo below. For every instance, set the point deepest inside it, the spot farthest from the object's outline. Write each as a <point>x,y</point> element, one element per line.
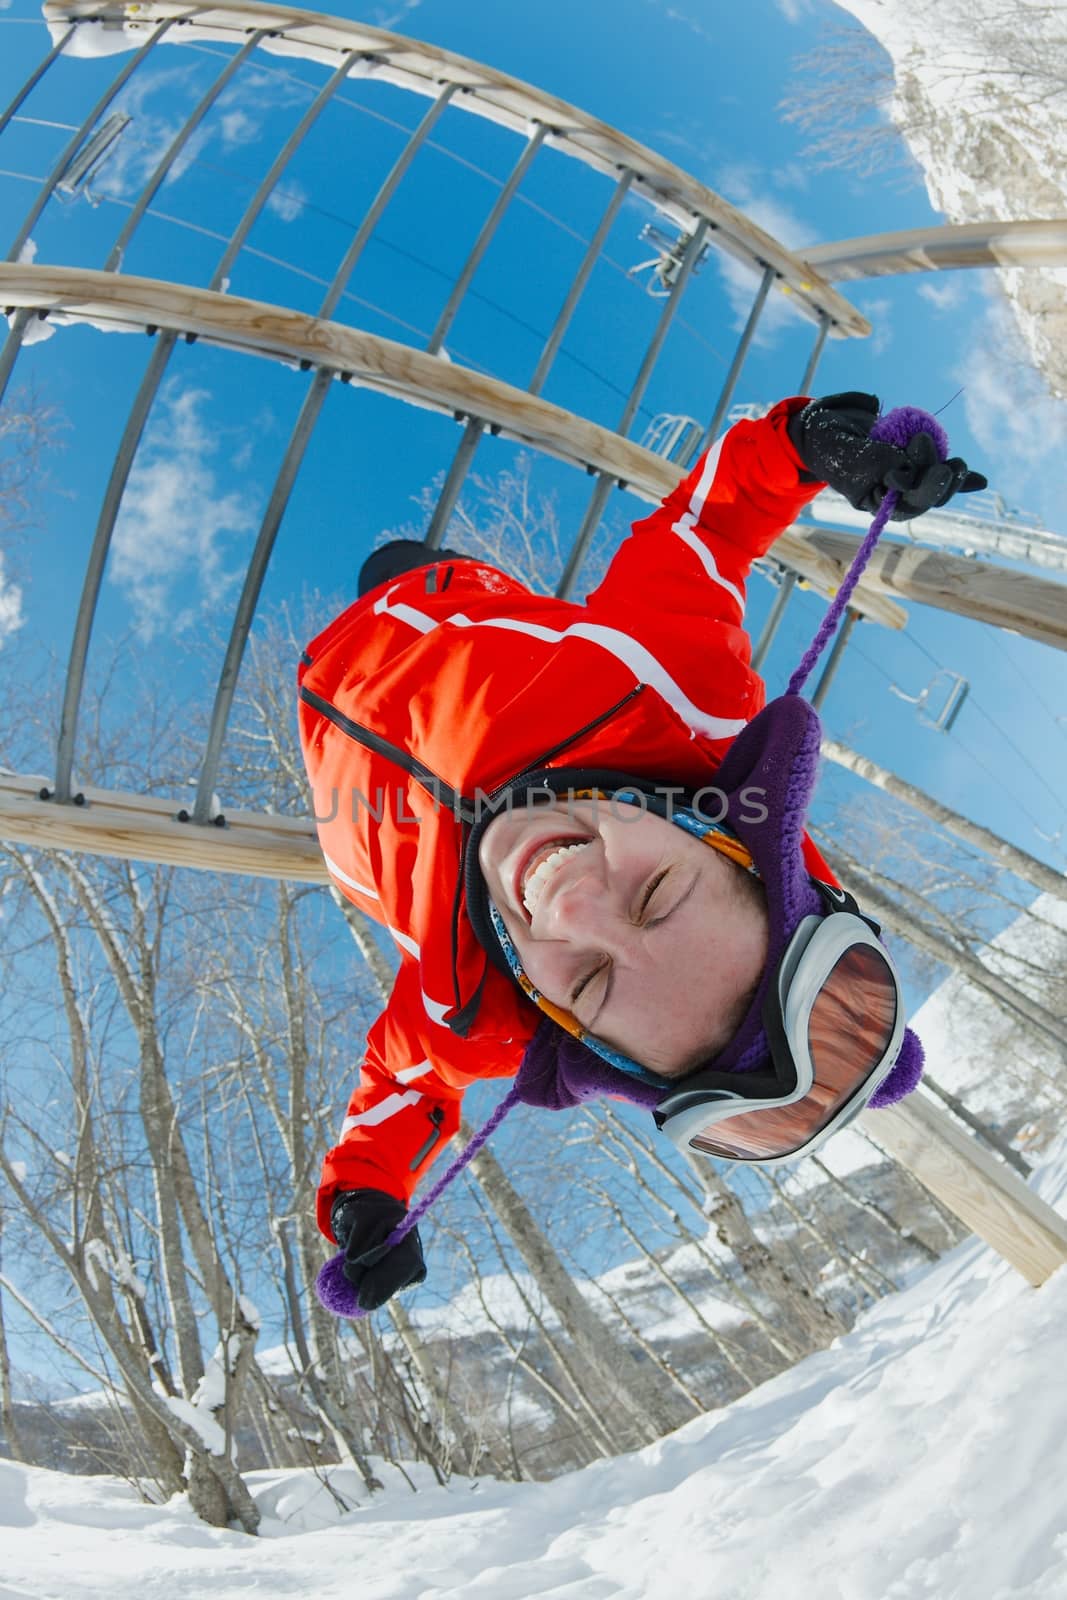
<point>981,99</point>
<point>910,1459</point>
<point>913,1458</point>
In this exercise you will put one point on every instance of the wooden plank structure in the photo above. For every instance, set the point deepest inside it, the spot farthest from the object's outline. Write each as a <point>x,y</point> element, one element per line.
<point>984,1192</point>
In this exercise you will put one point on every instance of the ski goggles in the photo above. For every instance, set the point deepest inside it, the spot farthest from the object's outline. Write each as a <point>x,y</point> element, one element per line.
<point>834,1021</point>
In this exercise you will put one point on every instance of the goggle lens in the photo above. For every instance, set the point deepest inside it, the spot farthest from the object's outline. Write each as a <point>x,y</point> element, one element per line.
<point>849,1031</point>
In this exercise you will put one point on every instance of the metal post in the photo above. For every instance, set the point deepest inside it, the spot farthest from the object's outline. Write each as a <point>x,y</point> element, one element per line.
<point>481,244</point>
<point>727,392</point>
<point>457,473</point>
<point>278,166</point>
<point>596,244</point>
<point>472,434</point>
<point>94,571</point>
<point>290,466</point>
<point>181,139</point>
<point>813,359</point>
<point>787,582</point>
<point>34,79</point>
<point>76,142</point>
<point>382,199</point>
<point>851,617</point>
<point>12,346</point>
<point>131,438</point>
<point>602,490</point>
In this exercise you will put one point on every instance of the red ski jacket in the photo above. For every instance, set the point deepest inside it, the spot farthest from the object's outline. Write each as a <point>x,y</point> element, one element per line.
<point>450,680</point>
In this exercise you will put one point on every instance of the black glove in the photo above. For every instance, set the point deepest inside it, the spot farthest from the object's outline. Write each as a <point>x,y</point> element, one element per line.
<point>832,438</point>
<point>362,1219</point>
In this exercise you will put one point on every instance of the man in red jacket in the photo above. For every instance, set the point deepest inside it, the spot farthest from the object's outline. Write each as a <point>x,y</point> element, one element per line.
<point>522,790</point>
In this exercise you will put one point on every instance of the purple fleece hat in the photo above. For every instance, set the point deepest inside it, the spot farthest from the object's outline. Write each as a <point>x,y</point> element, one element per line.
<point>766,778</point>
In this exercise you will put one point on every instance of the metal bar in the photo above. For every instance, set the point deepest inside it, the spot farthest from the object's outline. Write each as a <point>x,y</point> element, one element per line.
<point>75,143</point>
<point>246,606</point>
<point>181,139</point>
<point>278,166</point>
<point>381,200</point>
<point>600,494</point>
<point>127,449</point>
<point>481,244</point>
<point>34,79</point>
<point>833,660</point>
<point>596,244</point>
<point>813,359</point>
<point>94,571</point>
<point>786,584</point>
<point>457,473</point>
<point>727,392</point>
<point>461,463</point>
<point>12,346</point>
<point>291,462</point>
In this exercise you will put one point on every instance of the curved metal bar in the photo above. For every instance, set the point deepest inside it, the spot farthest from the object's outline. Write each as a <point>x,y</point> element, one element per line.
<point>472,434</point>
<point>589,261</point>
<point>34,79</point>
<point>603,488</point>
<point>170,156</point>
<point>398,370</point>
<point>94,570</point>
<point>12,345</point>
<point>457,474</point>
<point>71,148</point>
<point>726,394</point>
<point>413,65</point>
<point>813,360</point>
<point>382,199</point>
<point>481,244</point>
<point>277,167</point>
<point>131,439</point>
<point>291,462</point>
<point>246,606</point>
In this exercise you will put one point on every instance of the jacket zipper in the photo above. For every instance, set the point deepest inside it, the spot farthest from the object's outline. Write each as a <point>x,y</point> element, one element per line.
<point>437,1116</point>
<point>438,790</point>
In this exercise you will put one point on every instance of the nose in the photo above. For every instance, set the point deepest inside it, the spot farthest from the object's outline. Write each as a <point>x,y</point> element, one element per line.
<point>582,908</point>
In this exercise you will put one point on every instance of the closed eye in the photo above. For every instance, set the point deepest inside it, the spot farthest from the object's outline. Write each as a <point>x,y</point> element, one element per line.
<point>584,982</point>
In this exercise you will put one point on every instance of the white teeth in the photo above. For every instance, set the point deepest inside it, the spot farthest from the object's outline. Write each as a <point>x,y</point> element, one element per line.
<point>535,882</point>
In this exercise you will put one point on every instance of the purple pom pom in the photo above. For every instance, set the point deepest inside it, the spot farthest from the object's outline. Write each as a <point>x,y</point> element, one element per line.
<point>904,422</point>
<point>904,1076</point>
<point>334,1290</point>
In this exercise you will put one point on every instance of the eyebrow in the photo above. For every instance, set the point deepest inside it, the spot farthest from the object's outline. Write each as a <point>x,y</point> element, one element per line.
<point>610,985</point>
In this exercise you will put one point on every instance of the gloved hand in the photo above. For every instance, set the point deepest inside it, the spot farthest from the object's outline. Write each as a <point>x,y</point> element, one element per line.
<point>362,1219</point>
<point>831,436</point>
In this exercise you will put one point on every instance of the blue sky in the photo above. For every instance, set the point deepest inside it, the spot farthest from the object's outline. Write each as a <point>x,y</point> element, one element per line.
<point>701,85</point>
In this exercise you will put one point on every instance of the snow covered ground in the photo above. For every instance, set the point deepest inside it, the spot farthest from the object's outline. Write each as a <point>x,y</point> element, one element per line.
<point>917,1457</point>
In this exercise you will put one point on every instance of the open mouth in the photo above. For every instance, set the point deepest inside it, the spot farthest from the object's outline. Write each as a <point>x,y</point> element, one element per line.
<point>538,867</point>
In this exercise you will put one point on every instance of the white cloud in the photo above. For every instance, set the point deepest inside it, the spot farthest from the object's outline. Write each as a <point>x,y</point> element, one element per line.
<point>175,520</point>
<point>289,202</point>
<point>878,313</point>
<point>944,296</point>
<point>11,618</point>
<point>388,18</point>
<point>238,127</point>
<point>740,281</point>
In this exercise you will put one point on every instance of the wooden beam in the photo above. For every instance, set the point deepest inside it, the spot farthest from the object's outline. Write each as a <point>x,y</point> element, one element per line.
<point>143,828</point>
<point>118,301</point>
<point>983,1192</point>
<point>1019,601</point>
<point>1040,243</point>
<point>424,69</point>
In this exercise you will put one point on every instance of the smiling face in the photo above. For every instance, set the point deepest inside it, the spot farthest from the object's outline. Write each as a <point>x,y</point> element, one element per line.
<point>653,940</point>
